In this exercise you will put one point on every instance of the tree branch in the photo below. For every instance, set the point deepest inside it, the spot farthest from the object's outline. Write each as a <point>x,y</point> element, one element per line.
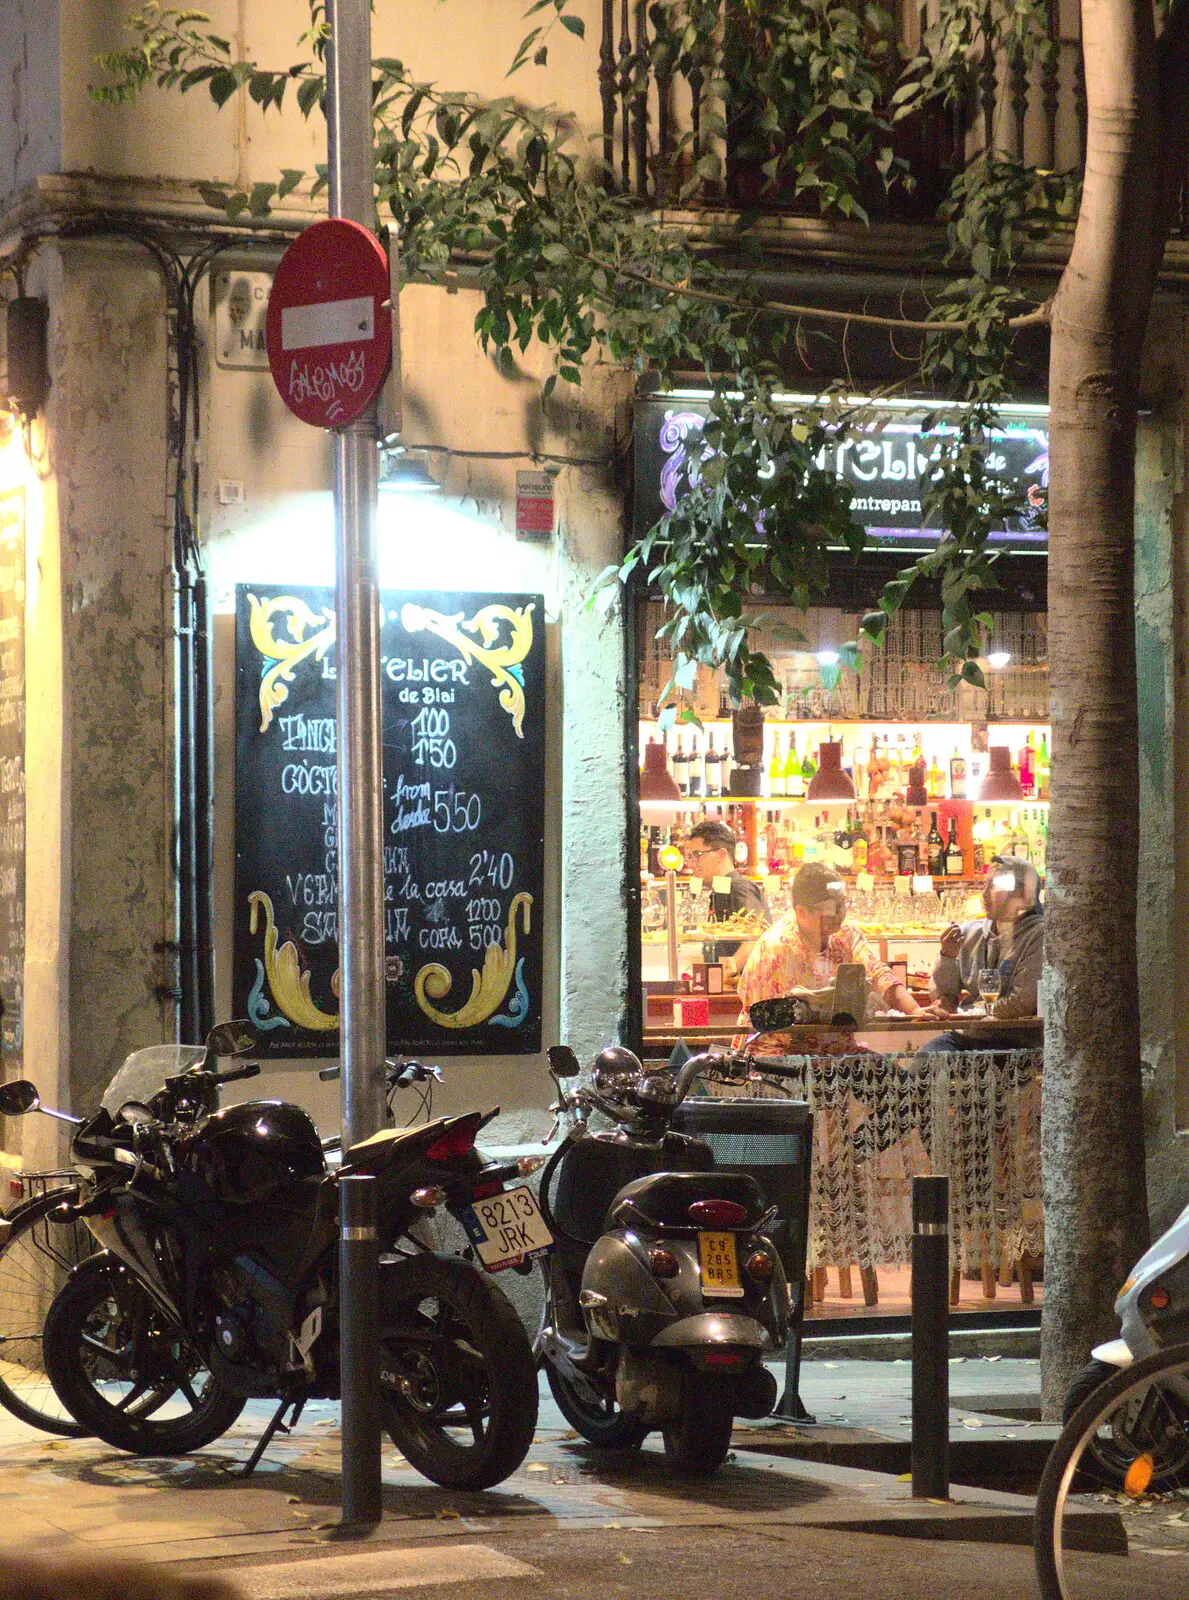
<point>1027,319</point>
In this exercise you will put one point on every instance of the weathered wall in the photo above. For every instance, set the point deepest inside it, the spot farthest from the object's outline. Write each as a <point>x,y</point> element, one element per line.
<point>30,92</point>
<point>1160,656</point>
<point>464,538</point>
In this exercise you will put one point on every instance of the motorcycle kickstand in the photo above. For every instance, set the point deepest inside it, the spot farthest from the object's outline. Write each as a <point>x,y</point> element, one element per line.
<point>275,1426</point>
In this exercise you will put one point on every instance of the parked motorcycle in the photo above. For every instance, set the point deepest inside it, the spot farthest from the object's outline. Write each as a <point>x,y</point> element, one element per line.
<point>1153,1312</point>
<point>664,1292</point>
<point>217,1278</point>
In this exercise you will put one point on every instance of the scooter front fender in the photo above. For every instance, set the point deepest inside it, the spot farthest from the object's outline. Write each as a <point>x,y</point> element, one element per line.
<point>1115,1353</point>
<point>712,1328</point>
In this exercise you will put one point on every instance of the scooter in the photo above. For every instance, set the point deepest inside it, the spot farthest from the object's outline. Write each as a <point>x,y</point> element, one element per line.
<point>664,1292</point>
<point>1153,1312</point>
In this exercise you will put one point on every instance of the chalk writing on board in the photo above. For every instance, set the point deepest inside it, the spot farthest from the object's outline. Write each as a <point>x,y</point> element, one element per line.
<point>463,718</point>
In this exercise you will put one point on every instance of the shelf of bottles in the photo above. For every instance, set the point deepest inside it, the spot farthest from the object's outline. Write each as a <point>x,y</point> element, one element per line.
<point>910,868</point>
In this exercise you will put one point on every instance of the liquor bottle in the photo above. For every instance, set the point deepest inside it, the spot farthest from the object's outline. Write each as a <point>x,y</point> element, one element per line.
<point>957,776</point>
<point>813,845</point>
<point>794,781</point>
<point>860,851</point>
<point>808,765</point>
<point>695,772</point>
<point>712,782</point>
<point>908,857</point>
<point>843,851</point>
<point>1028,767</point>
<point>1042,768</point>
<point>936,849</point>
<point>681,767</point>
<point>953,852</point>
<point>984,849</point>
<point>936,779</point>
<point>776,770</point>
<point>654,852</point>
<point>725,765</point>
<point>859,773</point>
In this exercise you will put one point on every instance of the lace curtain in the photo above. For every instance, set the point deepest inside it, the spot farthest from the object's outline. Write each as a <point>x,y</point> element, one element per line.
<point>880,1120</point>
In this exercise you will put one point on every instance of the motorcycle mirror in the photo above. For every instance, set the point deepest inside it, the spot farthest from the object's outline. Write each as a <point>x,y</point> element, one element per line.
<point>18,1098</point>
<point>775,1015</point>
<point>135,1111</point>
<point>563,1063</point>
<point>231,1039</point>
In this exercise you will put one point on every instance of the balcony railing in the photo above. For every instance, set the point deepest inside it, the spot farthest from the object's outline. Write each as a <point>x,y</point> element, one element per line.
<point>656,123</point>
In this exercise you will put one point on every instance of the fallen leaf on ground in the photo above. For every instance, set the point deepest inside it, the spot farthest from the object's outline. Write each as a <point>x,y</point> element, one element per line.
<point>536,1466</point>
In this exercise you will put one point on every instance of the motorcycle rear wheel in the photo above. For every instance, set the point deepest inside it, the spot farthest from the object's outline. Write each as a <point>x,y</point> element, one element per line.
<point>697,1441</point>
<point>109,1351</point>
<point>458,1385</point>
<point>604,1426</point>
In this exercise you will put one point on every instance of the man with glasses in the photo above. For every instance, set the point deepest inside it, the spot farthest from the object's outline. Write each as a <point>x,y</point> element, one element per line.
<point>710,855</point>
<point>806,948</point>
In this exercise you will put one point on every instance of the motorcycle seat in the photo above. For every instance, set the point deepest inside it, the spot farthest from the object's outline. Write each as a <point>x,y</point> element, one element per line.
<point>664,1198</point>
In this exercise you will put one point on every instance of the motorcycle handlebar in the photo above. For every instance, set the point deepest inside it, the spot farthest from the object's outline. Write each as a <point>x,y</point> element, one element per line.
<point>250,1069</point>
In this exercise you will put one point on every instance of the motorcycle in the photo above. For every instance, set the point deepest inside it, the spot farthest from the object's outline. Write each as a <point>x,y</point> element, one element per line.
<point>1153,1312</point>
<point>217,1275</point>
<point>664,1292</point>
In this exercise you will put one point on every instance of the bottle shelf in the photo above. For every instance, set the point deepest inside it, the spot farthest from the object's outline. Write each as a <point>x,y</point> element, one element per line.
<point>780,802</point>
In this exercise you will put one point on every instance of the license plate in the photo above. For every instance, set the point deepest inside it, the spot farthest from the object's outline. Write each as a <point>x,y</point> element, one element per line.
<point>720,1265</point>
<point>507,1228</point>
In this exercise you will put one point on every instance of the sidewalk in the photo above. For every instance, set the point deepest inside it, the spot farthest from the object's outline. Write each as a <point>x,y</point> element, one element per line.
<point>63,1495</point>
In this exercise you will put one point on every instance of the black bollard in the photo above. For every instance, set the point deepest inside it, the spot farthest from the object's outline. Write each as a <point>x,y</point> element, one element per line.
<point>359,1344</point>
<point>930,1338</point>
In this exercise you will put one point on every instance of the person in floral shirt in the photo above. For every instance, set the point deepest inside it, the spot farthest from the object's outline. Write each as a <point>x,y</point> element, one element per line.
<point>805,950</point>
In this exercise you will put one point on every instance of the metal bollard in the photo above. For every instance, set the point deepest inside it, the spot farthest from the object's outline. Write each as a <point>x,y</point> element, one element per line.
<point>930,1338</point>
<point>359,1345</point>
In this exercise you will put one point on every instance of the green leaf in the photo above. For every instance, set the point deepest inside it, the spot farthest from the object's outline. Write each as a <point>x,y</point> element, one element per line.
<point>222,86</point>
<point>575,25</point>
<point>290,178</point>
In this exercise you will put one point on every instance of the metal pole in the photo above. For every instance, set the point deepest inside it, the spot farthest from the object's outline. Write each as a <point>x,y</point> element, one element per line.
<point>360,1348</point>
<point>351,166</point>
<point>930,1338</point>
<point>351,172</point>
<point>671,925</point>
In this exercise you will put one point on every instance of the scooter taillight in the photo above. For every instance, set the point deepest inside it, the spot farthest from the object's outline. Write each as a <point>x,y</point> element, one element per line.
<point>717,1213</point>
<point>456,1141</point>
<point>722,1358</point>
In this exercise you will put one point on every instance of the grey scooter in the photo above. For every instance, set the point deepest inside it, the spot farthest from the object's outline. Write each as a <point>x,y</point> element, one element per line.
<point>664,1293</point>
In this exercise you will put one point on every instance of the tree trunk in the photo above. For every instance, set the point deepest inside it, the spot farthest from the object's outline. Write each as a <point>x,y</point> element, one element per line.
<point>1096,1216</point>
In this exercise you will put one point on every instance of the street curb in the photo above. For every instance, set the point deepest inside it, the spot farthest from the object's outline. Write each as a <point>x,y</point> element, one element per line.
<point>1012,1343</point>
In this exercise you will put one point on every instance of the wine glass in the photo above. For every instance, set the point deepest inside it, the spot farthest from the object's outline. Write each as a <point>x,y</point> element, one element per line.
<point>990,985</point>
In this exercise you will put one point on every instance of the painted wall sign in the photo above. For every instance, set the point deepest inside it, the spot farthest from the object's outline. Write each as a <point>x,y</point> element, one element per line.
<point>12,777</point>
<point>464,801</point>
<point>329,338</point>
<point>884,461</point>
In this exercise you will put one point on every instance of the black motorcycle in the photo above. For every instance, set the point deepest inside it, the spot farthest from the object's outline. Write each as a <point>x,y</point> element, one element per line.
<point>664,1292</point>
<point>217,1278</point>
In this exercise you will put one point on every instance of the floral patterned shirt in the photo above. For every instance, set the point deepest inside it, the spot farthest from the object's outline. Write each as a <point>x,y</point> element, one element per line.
<point>781,960</point>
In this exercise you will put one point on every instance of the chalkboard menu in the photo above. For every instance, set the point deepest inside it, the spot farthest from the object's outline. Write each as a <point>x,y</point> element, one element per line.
<point>12,777</point>
<point>463,702</point>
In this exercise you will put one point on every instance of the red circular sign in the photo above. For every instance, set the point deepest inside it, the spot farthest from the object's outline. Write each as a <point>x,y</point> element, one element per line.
<point>329,340</point>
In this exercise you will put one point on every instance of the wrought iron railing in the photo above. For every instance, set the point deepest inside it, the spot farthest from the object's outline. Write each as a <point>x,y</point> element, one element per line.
<point>656,128</point>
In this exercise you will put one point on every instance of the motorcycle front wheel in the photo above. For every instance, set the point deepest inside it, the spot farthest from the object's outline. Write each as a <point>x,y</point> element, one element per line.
<point>598,1420</point>
<point>113,1359</point>
<point>458,1386</point>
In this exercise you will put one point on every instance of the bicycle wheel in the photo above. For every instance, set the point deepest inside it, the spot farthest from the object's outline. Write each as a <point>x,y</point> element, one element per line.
<point>35,1261</point>
<point>1141,1417</point>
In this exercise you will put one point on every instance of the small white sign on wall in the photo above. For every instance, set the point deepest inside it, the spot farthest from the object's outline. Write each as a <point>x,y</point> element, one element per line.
<point>241,303</point>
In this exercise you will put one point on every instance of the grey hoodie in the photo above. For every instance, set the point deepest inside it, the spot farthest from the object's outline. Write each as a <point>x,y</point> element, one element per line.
<point>983,946</point>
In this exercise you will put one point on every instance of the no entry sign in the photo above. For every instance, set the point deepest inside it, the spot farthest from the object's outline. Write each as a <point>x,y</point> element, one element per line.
<point>329,339</point>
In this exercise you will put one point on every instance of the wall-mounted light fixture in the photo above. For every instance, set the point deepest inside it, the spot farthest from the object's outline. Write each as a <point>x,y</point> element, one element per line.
<point>405,471</point>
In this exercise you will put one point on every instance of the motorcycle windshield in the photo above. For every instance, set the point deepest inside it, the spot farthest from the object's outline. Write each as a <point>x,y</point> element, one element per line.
<point>145,1071</point>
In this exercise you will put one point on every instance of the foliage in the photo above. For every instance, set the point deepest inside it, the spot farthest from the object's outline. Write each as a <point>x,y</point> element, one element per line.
<point>812,91</point>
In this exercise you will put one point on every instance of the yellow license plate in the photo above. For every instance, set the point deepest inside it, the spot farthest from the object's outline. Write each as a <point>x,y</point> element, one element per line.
<point>720,1265</point>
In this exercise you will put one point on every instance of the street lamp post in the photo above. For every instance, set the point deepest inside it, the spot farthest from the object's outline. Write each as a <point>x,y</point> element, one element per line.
<point>351,172</point>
